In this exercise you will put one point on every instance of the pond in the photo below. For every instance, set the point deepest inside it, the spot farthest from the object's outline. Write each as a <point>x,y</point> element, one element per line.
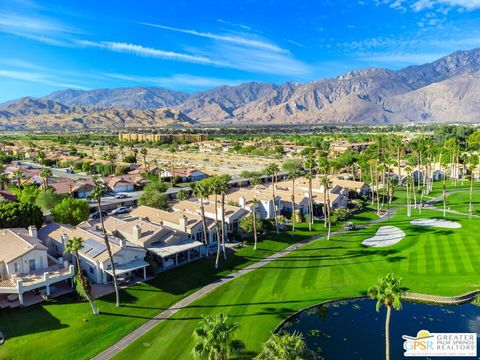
<point>354,330</point>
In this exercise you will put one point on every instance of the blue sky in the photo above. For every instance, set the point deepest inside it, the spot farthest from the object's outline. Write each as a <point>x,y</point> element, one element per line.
<point>196,45</point>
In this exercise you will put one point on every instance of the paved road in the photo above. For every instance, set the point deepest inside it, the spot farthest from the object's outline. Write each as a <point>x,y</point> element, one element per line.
<point>60,173</point>
<point>141,330</point>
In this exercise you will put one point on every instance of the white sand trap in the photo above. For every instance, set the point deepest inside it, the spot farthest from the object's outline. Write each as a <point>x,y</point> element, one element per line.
<point>439,223</point>
<point>385,236</point>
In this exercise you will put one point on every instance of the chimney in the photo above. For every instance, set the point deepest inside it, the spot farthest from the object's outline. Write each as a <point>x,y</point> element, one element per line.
<point>137,232</point>
<point>219,212</point>
<point>241,202</point>
<point>32,231</point>
<point>183,222</point>
<point>123,243</point>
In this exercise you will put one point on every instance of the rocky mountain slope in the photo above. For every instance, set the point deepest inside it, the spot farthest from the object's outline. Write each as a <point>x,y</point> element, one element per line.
<point>445,90</point>
<point>28,113</point>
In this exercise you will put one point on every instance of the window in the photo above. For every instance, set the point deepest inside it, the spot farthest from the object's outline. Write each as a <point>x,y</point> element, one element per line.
<point>31,263</point>
<point>15,268</point>
<point>91,270</point>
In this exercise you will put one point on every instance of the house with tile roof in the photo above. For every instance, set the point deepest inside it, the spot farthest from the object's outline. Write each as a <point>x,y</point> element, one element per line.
<point>25,265</point>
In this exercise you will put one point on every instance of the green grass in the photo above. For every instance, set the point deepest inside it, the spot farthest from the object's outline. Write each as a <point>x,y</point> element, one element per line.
<point>68,327</point>
<point>437,261</point>
<point>459,201</point>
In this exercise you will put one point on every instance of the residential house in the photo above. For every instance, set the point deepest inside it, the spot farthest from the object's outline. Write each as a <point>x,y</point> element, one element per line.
<point>185,174</point>
<point>125,183</point>
<point>167,246</point>
<point>94,259</point>
<point>26,266</point>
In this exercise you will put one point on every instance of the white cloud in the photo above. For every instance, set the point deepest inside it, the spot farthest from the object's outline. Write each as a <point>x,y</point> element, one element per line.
<point>185,81</point>
<point>39,78</point>
<point>441,5</point>
<point>233,39</point>
<point>148,52</point>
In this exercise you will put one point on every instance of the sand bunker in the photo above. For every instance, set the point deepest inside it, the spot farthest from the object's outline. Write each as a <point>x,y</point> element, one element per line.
<point>439,223</point>
<point>385,236</point>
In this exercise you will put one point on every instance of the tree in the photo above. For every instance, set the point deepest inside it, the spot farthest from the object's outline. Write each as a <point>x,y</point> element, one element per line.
<point>251,224</point>
<point>82,284</point>
<point>215,186</point>
<point>294,169</point>
<point>71,211</point>
<point>223,187</point>
<point>285,347</point>
<point>272,170</point>
<point>255,181</point>
<point>47,199</point>
<point>326,183</point>
<point>20,215</point>
<point>153,196</point>
<point>45,173</point>
<point>388,292</point>
<point>182,195</point>
<point>144,153</point>
<point>18,176</point>
<point>28,194</point>
<point>213,338</point>
<point>310,165</point>
<point>202,191</point>
<point>97,193</point>
<point>3,181</point>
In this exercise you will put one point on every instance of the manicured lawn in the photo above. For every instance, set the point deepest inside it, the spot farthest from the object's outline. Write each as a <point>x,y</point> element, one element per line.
<point>459,202</point>
<point>65,325</point>
<point>437,261</point>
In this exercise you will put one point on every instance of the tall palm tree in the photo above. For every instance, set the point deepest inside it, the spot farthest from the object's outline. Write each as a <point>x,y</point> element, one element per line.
<point>285,347</point>
<point>97,193</point>
<point>213,338</point>
<point>216,190</point>
<point>408,182</point>
<point>223,188</point>
<point>73,246</point>
<point>45,173</point>
<point>310,165</point>
<point>144,153</point>
<point>294,169</point>
<point>326,183</point>
<point>202,191</point>
<point>254,181</point>
<point>388,292</point>
<point>273,170</point>
<point>471,168</point>
<point>18,176</point>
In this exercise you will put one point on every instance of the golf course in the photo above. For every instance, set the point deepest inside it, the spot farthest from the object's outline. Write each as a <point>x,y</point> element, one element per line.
<point>431,260</point>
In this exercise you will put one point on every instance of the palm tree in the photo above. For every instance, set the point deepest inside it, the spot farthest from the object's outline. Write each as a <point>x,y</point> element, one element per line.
<point>45,173</point>
<point>213,338</point>
<point>254,181</point>
<point>310,164</point>
<point>273,170</point>
<point>97,193</point>
<point>471,168</point>
<point>144,153</point>
<point>285,347</point>
<point>121,149</point>
<point>294,169</point>
<point>73,246</point>
<point>223,188</point>
<point>216,190</point>
<point>18,176</point>
<point>202,191</point>
<point>408,181</point>
<point>326,183</point>
<point>387,291</point>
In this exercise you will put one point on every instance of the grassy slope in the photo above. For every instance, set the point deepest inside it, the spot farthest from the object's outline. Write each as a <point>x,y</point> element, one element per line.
<point>64,318</point>
<point>439,261</point>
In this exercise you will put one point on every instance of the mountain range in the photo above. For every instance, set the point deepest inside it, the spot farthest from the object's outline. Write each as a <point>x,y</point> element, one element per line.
<point>444,91</point>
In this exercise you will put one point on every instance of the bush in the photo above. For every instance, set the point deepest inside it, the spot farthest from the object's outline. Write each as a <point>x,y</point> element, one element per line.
<point>342,214</point>
<point>47,199</point>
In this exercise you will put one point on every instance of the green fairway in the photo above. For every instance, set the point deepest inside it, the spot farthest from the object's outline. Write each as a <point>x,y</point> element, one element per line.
<point>437,261</point>
<point>459,201</point>
<point>83,335</point>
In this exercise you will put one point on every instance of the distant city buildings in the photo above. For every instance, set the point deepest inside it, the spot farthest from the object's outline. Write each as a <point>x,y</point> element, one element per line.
<point>164,138</point>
